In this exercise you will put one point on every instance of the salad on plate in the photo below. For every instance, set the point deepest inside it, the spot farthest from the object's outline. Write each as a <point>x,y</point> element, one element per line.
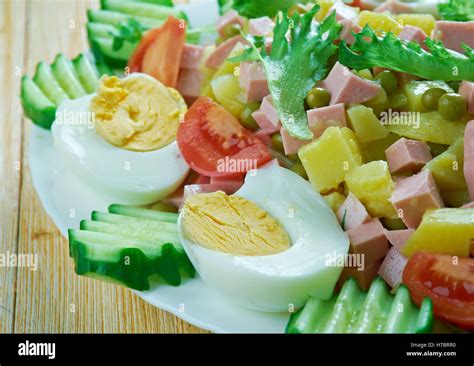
<point>308,159</point>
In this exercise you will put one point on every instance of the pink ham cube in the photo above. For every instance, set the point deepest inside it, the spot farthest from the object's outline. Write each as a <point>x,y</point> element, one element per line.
<point>321,118</point>
<point>353,212</point>
<point>344,12</point>
<point>394,7</point>
<point>407,156</point>
<point>398,238</point>
<point>253,81</point>
<point>291,144</point>
<point>469,205</point>
<point>261,26</point>
<point>192,56</point>
<point>346,87</point>
<point>363,277</point>
<point>348,27</point>
<point>466,89</point>
<point>189,84</point>
<point>414,195</point>
<point>264,137</point>
<point>369,239</point>
<point>222,52</point>
<point>228,184</point>
<point>411,33</point>
<point>469,157</point>
<point>391,269</point>
<point>453,34</point>
<point>231,17</point>
<point>267,116</point>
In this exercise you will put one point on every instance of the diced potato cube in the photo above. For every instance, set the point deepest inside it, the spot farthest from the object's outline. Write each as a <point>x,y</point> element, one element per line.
<point>456,198</point>
<point>445,231</point>
<point>334,200</point>
<point>424,21</point>
<point>226,89</point>
<point>379,22</point>
<point>375,150</point>
<point>329,158</point>
<point>447,168</point>
<point>415,89</point>
<point>365,124</point>
<point>429,127</point>
<point>372,184</point>
<point>325,5</point>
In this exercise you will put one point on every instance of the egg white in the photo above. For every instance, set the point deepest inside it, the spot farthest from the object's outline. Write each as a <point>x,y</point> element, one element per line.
<point>129,177</point>
<point>282,281</point>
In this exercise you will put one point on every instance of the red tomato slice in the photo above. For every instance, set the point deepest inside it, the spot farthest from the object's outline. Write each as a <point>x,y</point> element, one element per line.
<point>450,285</point>
<point>214,143</point>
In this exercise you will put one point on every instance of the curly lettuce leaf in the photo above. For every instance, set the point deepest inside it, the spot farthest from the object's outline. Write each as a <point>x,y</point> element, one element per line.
<point>261,8</point>
<point>438,63</point>
<point>457,10</point>
<point>293,67</point>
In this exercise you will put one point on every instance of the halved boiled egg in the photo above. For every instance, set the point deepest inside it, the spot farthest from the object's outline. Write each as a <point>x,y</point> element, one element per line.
<point>269,246</point>
<point>121,140</point>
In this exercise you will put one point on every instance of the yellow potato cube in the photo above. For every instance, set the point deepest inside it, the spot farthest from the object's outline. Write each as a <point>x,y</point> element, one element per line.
<point>226,89</point>
<point>372,184</point>
<point>445,231</point>
<point>447,168</point>
<point>424,21</point>
<point>323,11</point>
<point>379,22</point>
<point>365,124</point>
<point>334,200</point>
<point>329,158</point>
<point>415,89</point>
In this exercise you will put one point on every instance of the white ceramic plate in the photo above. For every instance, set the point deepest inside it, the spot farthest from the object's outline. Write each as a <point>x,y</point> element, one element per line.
<point>67,201</point>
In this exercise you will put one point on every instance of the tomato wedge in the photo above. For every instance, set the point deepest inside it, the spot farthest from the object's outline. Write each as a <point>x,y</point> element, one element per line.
<point>159,52</point>
<point>214,143</point>
<point>448,281</point>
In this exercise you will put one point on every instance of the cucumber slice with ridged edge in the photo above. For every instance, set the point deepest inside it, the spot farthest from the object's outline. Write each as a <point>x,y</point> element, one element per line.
<point>356,311</point>
<point>102,48</point>
<point>113,17</point>
<point>44,78</point>
<point>142,9</point>
<point>128,245</point>
<point>36,105</point>
<point>65,74</point>
<point>87,73</point>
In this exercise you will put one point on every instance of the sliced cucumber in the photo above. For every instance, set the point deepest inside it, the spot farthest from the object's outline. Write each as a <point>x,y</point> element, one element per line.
<point>36,105</point>
<point>156,2</point>
<point>44,78</point>
<point>135,223</point>
<point>143,213</point>
<point>142,9</point>
<point>99,30</point>
<point>87,72</point>
<point>104,52</point>
<point>113,18</point>
<point>65,74</point>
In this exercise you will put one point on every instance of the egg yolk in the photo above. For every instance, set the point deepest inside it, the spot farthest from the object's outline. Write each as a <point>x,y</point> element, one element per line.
<point>232,224</point>
<point>137,113</point>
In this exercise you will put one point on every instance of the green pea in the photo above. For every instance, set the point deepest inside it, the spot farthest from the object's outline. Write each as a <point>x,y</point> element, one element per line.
<point>247,120</point>
<point>452,106</point>
<point>277,142</point>
<point>298,168</point>
<point>230,30</point>
<point>317,98</point>
<point>388,80</point>
<point>430,98</point>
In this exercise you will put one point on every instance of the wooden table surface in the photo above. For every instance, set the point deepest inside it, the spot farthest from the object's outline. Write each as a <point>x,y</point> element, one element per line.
<point>52,298</point>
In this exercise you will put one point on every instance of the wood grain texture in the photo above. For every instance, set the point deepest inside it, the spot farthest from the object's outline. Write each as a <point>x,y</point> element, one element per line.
<point>52,298</point>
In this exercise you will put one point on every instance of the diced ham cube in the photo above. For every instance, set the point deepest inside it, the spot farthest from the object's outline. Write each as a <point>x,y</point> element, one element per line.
<point>192,56</point>
<point>261,26</point>
<point>222,52</point>
<point>348,26</point>
<point>398,238</point>
<point>391,269</point>
<point>411,33</point>
<point>264,123</point>
<point>394,7</point>
<point>264,137</point>
<point>407,156</point>
<point>468,205</point>
<point>469,157</point>
<point>414,195</point>
<point>453,34</point>
<point>291,144</point>
<point>231,17</point>
<point>228,184</point>
<point>253,81</point>
<point>466,89</point>
<point>321,118</point>
<point>344,12</point>
<point>368,239</point>
<point>177,198</point>
<point>353,212</point>
<point>189,84</point>
<point>364,278</point>
<point>346,87</point>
